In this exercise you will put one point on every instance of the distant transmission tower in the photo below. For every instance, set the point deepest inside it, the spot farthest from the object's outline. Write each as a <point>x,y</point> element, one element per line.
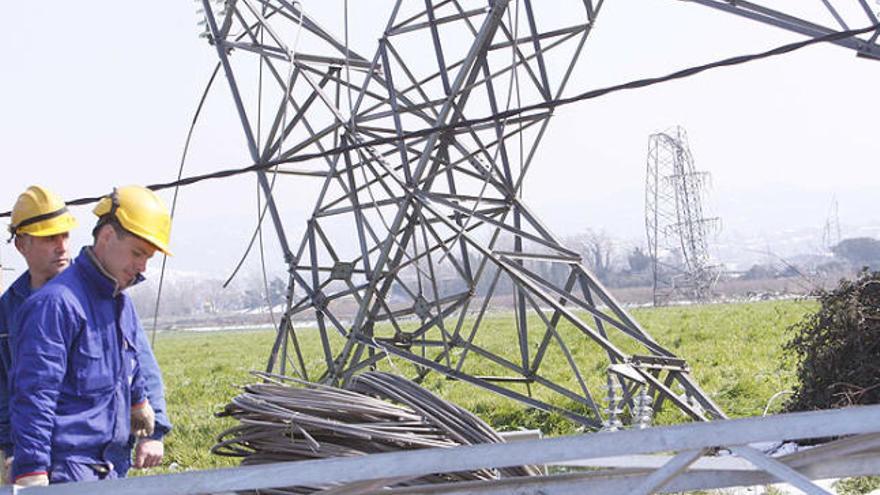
<point>677,231</point>
<point>831,231</point>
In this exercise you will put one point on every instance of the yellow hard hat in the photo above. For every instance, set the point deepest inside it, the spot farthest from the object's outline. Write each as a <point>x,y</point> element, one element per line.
<point>141,212</point>
<point>42,213</point>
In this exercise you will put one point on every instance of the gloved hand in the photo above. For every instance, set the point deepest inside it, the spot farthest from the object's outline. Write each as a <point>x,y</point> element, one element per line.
<point>143,419</point>
<point>148,453</point>
<point>41,479</point>
<point>5,469</point>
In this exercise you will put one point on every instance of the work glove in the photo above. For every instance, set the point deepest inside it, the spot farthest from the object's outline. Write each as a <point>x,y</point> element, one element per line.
<point>41,479</point>
<point>5,469</point>
<point>143,419</point>
<point>148,453</point>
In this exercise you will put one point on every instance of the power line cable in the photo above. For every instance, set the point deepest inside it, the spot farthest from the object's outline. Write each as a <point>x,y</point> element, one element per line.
<point>183,156</point>
<point>552,104</point>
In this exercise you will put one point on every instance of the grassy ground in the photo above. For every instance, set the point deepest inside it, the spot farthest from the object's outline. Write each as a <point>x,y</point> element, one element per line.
<point>734,352</point>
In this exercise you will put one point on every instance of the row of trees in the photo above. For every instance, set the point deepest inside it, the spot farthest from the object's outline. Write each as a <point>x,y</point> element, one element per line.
<point>186,295</point>
<point>859,252</point>
<point>190,295</point>
<point>614,263</point>
<point>605,258</point>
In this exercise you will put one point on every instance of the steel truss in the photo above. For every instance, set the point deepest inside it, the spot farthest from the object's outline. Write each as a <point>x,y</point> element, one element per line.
<point>424,236</point>
<point>812,19</point>
<point>632,462</point>
<point>668,216</point>
<point>674,221</point>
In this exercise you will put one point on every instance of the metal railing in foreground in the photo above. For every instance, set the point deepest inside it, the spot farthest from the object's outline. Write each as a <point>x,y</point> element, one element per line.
<point>687,468</point>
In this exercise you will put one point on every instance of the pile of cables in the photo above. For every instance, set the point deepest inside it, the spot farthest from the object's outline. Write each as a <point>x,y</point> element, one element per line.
<point>287,419</point>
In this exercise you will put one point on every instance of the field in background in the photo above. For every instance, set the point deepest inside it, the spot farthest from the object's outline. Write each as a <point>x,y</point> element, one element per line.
<point>734,351</point>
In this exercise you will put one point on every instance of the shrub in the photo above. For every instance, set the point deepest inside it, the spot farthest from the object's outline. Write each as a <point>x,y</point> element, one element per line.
<point>837,349</point>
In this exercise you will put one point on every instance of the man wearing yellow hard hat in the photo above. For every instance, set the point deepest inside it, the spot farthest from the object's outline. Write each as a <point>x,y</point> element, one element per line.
<point>83,379</point>
<point>40,226</point>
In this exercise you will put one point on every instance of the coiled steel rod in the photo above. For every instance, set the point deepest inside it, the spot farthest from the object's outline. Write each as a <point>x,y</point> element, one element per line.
<point>287,419</point>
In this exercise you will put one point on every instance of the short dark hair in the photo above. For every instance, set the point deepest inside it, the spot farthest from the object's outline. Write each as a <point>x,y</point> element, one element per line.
<point>111,220</point>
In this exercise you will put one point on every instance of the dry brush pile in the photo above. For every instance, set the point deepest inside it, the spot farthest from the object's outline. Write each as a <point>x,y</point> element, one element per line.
<point>837,349</point>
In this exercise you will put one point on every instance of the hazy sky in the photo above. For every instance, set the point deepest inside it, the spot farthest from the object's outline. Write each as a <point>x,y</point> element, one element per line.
<point>99,93</point>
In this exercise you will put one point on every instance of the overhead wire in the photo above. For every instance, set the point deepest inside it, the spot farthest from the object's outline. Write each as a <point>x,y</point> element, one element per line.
<point>261,210</point>
<point>258,229</point>
<point>514,82</point>
<point>291,54</point>
<point>487,171</point>
<point>368,157</point>
<point>352,115</point>
<point>545,105</point>
<point>183,156</point>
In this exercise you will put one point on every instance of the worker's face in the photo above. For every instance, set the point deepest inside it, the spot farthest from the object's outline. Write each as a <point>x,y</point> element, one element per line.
<point>45,256</point>
<point>124,257</point>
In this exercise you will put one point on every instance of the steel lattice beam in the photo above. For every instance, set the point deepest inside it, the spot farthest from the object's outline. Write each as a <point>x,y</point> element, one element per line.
<point>424,236</point>
<point>846,14</point>
<point>635,461</point>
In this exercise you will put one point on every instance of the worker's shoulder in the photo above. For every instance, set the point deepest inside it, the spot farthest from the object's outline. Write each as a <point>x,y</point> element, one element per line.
<point>6,299</point>
<point>7,308</point>
<point>16,293</point>
<point>65,290</point>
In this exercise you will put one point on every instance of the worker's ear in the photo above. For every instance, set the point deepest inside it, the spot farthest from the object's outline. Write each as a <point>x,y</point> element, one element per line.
<point>103,235</point>
<point>22,241</point>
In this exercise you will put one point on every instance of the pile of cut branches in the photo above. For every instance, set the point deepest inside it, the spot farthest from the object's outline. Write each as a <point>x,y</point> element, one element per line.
<point>837,349</point>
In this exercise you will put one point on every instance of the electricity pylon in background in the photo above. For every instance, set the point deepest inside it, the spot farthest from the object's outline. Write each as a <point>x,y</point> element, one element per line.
<point>677,231</point>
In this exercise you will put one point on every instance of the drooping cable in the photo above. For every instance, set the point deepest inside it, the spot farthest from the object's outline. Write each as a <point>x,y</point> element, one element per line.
<point>183,156</point>
<point>514,83</point>
<point>546,105</point>
<point>353,123</point>
<point>258,229</point>
<point>288,91</point>
<point>260,214</point>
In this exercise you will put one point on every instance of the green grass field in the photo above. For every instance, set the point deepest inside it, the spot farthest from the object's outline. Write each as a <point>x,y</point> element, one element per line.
<point>734,350</point>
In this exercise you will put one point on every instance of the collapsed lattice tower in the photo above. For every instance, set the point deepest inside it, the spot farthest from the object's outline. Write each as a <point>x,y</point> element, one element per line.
<point>425,233</point>
<point>677,231</point>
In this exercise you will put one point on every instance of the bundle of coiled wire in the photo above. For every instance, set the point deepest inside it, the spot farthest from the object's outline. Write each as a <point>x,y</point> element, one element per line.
<point>287,419</point>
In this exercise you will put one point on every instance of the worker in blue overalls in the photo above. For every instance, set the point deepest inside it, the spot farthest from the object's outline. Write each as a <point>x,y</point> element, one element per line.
<point>83,377</point>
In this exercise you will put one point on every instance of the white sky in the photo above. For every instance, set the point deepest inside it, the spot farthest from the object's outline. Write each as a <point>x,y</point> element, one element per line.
<point>99,93</point>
